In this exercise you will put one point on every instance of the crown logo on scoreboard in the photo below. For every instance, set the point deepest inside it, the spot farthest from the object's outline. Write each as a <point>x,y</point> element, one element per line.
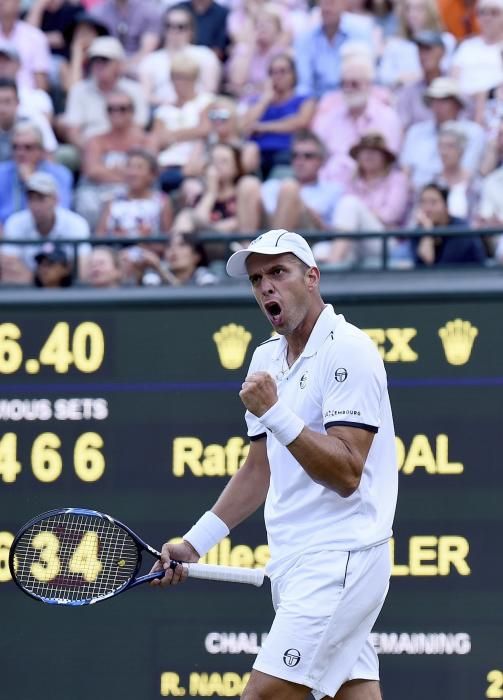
<point>457,339</point>
<point>232,343</point>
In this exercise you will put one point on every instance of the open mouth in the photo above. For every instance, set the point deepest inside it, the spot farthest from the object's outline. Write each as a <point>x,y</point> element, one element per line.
<point>274,312</point>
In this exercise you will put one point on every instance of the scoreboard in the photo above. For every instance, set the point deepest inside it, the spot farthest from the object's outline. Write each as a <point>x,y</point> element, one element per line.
<point>129,405</point>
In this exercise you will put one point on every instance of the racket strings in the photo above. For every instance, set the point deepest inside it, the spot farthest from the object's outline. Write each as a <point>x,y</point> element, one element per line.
<point>75,558</point>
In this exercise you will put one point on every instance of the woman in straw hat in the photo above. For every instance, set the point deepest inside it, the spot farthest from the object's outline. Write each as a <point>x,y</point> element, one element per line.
<point>376,199</point>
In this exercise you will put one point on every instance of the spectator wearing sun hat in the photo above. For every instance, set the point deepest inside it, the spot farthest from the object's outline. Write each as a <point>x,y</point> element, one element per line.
<point>419,155</point>
<point>86,113</point>
<point>341,118</point>
<point>375,199</point>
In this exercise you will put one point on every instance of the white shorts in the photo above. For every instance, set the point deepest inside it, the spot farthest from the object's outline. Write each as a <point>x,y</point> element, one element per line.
<point>326,605</point>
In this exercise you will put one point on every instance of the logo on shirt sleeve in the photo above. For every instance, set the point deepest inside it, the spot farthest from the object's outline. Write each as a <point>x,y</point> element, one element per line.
<point>341,374</point>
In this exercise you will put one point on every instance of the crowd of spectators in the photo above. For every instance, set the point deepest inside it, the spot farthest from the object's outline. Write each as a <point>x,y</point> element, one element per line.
<point>126,120</point>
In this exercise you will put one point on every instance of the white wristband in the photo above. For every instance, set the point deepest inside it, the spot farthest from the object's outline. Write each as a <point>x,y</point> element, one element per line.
<point>206,533</point>
<point>283,423</point>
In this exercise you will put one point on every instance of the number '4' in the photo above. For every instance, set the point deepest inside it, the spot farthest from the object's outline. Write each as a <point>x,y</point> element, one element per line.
<point>56,350</point>
<point>9,466</point>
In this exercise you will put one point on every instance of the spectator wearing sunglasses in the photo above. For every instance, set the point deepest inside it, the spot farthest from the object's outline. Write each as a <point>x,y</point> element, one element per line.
<point>177,35</point>
<point>105,157</point>
<point>277,114</point>
<point>304,201</point>
<point>28,157</point>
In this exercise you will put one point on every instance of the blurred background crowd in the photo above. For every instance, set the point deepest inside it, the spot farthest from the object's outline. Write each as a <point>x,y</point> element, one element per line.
<point>124,120</point>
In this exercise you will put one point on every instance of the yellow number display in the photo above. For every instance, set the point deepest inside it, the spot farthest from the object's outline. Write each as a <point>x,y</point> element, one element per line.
<point>46,462</point>
<point>56,349</point>
<point>495,680</point>
<point>88,347</point>
<point>89,462</point>
<point>5,543</point>
<point>49,564</point>
<point>9,466</point>
<point>85,558</point>
<point>11,355</point>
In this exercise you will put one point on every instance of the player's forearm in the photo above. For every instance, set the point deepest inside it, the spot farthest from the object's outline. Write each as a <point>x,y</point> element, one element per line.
<point>329,461</point>
<point>243,495</point>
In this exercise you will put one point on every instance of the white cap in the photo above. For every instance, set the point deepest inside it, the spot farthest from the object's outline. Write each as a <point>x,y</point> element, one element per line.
<point>43,183</point>
<point>106,47</point>
<point>273,242</point>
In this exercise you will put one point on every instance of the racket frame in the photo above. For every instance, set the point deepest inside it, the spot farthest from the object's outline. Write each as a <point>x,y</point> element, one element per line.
<point>141,546</point>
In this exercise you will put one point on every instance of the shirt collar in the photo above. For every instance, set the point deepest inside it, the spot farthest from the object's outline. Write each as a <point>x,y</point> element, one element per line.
<point>324,326</point>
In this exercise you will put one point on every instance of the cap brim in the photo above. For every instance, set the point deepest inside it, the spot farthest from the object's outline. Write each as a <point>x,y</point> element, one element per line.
<point>236,264</point>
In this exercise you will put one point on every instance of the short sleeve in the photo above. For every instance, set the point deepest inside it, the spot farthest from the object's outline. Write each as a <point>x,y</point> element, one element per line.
<point>353,379</point>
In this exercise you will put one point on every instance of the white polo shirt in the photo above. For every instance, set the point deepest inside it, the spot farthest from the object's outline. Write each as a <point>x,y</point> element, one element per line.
<point>339,379</point>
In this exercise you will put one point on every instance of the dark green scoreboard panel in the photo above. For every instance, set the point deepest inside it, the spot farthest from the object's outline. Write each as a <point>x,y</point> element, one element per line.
<point>133,409</point>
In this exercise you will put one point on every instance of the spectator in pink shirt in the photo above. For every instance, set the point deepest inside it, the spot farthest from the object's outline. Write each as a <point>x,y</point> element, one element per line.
<point>340,123</point>
<point>30,43</point>
<point>376,199</point>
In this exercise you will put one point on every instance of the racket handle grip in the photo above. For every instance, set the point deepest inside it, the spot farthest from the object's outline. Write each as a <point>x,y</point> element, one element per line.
<point>231,574</point>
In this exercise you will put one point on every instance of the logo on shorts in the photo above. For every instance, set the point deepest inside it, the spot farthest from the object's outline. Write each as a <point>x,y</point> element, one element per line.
<point>291,657</point>
<point>303,381</point>
<point>341,374</point>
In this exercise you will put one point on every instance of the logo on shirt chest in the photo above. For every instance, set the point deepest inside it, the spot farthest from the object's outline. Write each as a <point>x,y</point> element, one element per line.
<point>341,374</point>
<point>303,380</point>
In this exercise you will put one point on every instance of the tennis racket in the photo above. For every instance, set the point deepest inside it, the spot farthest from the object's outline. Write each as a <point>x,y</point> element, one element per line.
<point>75,556</point>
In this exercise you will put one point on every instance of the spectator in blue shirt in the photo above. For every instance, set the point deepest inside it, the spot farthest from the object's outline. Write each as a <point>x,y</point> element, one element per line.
<point>317,52</point>
<point>29,157</point>
<point>277,114</point>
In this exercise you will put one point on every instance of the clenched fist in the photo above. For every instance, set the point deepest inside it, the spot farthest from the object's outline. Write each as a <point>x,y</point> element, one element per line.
<point>259,393</point>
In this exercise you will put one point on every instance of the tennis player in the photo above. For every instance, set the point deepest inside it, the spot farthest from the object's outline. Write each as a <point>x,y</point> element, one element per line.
<point>322,458</point>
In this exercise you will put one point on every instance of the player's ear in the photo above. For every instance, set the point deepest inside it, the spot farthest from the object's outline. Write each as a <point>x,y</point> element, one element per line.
<point>312,277</point>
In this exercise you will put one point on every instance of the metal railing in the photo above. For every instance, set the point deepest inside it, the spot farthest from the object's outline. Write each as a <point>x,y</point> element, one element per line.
<point>228,241</point>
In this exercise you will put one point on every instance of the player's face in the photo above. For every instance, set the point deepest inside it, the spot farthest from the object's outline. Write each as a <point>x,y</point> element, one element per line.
<point>281,285</point>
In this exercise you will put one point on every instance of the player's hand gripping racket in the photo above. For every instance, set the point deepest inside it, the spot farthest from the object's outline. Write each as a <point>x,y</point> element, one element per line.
<point>75,556</point>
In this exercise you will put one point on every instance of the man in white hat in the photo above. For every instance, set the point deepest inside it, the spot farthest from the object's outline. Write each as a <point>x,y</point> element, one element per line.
<point>42,221</point>
<point>322,457</point>
<point>419,155</point>
<point>86,113</point>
